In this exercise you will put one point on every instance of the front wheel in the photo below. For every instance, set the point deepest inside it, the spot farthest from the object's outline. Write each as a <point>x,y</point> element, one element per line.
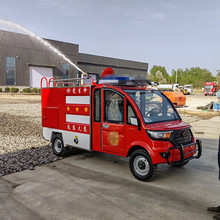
<point>141,165</point>
<point>58,146</point>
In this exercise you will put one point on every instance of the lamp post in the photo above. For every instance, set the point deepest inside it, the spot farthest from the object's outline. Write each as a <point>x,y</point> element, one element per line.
<point>218,80</point>
<point>176,75</point>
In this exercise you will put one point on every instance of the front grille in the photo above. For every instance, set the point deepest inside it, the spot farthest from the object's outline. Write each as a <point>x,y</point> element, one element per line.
<point>182,137</point>
<point>207,90</point>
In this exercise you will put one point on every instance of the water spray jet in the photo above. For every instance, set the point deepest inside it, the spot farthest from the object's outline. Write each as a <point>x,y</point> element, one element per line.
<point>41,40</point>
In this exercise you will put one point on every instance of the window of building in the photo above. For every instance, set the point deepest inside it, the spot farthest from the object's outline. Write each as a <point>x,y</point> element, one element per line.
<point>65,69</point>
<point>10,71</point>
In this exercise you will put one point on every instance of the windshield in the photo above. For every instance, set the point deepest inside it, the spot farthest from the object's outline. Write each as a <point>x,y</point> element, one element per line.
<point>208,88</point>
<point>153,106</point>
<point>188,87</point>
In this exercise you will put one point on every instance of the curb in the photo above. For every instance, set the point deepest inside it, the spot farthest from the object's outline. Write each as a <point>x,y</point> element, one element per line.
<point>19,94</point>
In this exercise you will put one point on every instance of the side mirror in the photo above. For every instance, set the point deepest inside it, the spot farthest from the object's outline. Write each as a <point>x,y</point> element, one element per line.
<point>134,121</point>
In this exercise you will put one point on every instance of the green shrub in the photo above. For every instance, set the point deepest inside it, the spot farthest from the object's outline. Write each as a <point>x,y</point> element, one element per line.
<point>7,89</point>
<point>26,90</point>
<point>35,90</point>
<point>0,89</point>
<point>14,90</point>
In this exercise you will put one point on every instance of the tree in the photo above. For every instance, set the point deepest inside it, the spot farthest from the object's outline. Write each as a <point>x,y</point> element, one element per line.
<point>160,78</point>
<point>153,76</point>
<point>195,76</point>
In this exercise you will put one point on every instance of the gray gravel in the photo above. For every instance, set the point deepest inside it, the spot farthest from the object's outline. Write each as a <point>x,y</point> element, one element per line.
<point>26,159</point>
<point>20,127</point>
<point>21,143</point>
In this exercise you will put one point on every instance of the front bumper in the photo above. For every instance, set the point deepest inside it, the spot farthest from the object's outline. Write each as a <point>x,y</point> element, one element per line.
<point>185,157</point>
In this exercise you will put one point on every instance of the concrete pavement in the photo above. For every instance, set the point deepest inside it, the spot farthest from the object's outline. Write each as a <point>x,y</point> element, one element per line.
<point>100,186</point>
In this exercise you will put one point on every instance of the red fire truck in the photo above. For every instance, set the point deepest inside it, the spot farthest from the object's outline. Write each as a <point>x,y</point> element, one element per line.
<point>120,116</point>
<point>211,88</point>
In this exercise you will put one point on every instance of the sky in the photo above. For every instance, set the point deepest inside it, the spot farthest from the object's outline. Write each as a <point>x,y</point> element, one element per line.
<point>171,33</point>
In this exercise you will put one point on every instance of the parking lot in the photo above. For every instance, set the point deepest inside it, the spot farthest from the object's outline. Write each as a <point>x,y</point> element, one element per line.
<point>93,185</point>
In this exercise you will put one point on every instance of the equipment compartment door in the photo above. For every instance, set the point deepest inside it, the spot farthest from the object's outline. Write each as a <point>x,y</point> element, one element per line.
<point>113,122</point>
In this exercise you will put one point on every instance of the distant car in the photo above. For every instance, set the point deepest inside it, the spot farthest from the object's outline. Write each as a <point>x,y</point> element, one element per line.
<point>181,88</point>
<point>187,89</point>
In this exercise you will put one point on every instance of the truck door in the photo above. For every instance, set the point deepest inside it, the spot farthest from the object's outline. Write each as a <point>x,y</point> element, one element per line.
<point>113,121</point>
<point>96,120</point>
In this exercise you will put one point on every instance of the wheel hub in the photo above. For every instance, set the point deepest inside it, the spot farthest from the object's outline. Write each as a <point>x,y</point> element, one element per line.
<point>58,145</point>
<point>141,165</point>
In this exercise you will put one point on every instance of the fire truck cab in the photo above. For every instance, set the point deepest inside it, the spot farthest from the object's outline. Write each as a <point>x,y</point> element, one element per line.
<point>211,88</point>
<point>125,119</point>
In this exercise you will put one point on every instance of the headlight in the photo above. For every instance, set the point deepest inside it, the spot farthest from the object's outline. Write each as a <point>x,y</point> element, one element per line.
<point>159,135</point>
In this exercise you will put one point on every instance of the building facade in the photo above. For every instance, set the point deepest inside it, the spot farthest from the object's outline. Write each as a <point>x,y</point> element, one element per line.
<point>24,60</point>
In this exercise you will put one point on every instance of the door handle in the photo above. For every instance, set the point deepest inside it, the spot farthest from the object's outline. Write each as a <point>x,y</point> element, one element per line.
<point>105,126</point>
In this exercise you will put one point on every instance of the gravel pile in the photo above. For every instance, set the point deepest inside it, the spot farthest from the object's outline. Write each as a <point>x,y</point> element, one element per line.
<point>26,159</point>
<point>21,143</point>
<point>20,127</point>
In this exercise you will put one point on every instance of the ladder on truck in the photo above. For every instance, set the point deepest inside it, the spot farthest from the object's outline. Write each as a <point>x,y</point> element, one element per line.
<point>65,82</point>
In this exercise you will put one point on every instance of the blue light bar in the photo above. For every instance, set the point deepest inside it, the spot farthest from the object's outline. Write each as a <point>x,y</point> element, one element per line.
<point>124,80</point>
<point>116,77</point>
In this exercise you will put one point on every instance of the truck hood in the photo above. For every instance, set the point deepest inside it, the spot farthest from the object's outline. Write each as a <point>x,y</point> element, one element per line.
<point>167,126</point>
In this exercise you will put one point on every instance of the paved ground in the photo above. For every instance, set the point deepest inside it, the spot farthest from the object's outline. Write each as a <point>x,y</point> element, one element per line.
<point>100,186</point>
<point>195,100</point>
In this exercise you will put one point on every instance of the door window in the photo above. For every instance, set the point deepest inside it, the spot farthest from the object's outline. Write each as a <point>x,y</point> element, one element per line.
<point>97,106</point>
<point>130,113</point>
<point>114,107</point>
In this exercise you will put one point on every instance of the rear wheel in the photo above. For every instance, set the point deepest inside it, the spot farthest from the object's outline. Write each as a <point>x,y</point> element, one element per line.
<point>141,165</point>
<point>58,146</point>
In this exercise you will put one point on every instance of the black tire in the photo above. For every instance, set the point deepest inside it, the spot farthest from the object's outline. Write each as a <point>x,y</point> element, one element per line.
<point>181,165</point>
<point>141,165</point>
<point>58,146</point>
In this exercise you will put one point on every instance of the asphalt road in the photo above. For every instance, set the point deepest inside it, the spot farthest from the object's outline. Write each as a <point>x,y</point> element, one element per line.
<point>92,185</point>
